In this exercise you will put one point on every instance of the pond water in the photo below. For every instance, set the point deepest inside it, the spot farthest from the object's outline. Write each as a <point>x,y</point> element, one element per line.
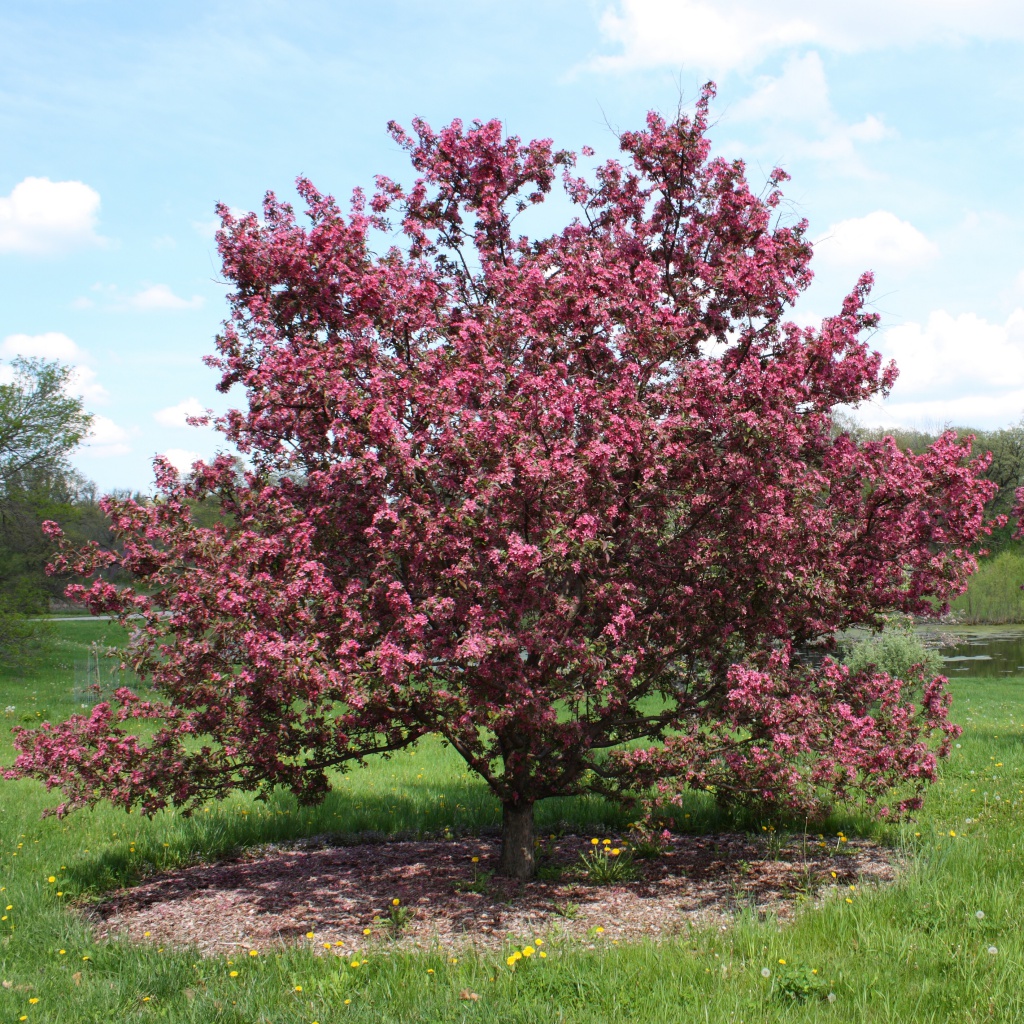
<point>992,652</point>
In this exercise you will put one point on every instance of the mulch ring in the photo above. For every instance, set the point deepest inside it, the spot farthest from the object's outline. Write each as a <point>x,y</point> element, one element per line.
<point>344,895</point>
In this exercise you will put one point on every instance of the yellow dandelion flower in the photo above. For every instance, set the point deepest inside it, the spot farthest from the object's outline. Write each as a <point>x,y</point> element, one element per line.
<point>327,945</point>
<point>52,878</point>
<point>538,942</point>
<point>347,1001</point>
<point>233,974</point>
<point>542,954</point>
<point>848,900</point>
<point>61,951</point>
<point>34,999</point>
<point>594,842</point>
<point>366,931</point>
<point>254,952</point>
<point>430,970</point>
<point>782,961</point>
<point>309,935</point>
<point>528,950</point>
<point>395,902</point>
<point>615,852</point>
<point>354,964</point>
<point>298,988</point>
<point>952,833</point>
<point>606,842</point>
<point>599,929</point>
<point>510,960</point>
<point>475,860</point>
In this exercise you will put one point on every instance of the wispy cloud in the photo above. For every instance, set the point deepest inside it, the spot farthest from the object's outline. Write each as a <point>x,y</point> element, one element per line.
<point>718,36</point>
<point>154,298</point>
<point>795,105</point>
<point>177,415</point>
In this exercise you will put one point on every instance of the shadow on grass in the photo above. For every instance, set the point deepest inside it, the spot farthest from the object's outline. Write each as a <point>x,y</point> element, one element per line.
<point>134,847</point>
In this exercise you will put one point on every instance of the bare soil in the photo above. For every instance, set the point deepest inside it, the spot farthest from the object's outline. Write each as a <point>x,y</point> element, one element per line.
<point>344,895</point>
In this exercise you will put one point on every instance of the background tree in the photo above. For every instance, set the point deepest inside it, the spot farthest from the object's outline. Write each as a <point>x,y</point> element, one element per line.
<point>40,425</point>
<point>544,497</point>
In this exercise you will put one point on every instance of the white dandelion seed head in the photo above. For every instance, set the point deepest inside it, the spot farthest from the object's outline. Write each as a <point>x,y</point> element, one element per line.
<point>992,950</point>
<point>766,972</point>
<point>980,914</point>
<point>831,997</point>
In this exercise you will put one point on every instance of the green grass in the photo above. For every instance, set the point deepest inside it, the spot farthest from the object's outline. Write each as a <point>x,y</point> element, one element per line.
<point>915,951</point>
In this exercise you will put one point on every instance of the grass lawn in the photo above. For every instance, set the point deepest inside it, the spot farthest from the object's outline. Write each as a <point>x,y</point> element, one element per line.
<point>945,943</point>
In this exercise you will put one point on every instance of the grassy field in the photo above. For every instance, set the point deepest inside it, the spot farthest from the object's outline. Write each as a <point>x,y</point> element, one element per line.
<point>946,943</point>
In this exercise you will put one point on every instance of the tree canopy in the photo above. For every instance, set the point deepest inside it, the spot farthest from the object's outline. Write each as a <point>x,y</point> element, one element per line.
<point>572,502</point>
<point>40,422</point>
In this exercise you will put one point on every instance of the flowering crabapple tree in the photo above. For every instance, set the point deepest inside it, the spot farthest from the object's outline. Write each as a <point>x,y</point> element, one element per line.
<point>574,503</point>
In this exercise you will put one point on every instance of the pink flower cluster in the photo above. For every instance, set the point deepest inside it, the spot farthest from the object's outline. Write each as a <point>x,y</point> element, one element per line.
<point>541,496</point>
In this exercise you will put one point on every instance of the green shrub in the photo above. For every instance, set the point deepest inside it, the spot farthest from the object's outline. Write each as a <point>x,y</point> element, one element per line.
<point>895,650</point>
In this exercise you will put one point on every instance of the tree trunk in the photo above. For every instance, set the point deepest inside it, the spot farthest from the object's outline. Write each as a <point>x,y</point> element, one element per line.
<point>517,841</point>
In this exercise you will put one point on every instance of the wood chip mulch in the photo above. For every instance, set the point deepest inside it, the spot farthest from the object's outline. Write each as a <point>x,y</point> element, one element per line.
<point>276,896</point>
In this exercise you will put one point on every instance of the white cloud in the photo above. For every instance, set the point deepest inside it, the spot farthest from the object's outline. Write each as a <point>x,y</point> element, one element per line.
<point>83,382</point>
<point>43,216</point>
<point>206,228</point>
<point>160,297</point>
<point>54,345</point>
<point>797,107</point>
<point>956,370</point>
<point>717,36</point>
<point>106,439</point>
<point>878,239</point>
<point>151,299</point>
<point>984,412</point>
<point>181,458</point>
<point>951,356</point>
<point>176,415</point>
<point>51,345</point>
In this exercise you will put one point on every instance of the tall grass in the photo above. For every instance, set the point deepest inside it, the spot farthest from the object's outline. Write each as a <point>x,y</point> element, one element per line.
<point>915,951</point>
<point>994,594</point>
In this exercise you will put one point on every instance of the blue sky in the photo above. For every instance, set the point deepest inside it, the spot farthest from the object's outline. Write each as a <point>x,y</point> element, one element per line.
<point>901,123</point>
